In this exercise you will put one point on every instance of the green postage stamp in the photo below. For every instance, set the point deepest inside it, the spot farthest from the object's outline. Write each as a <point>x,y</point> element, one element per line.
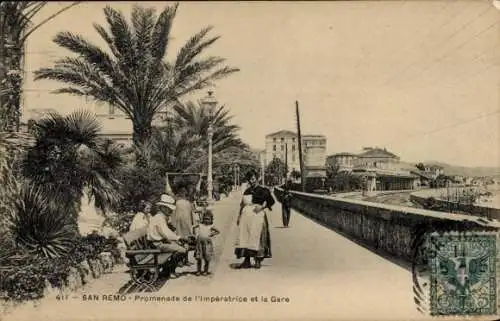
<point>463,274</point>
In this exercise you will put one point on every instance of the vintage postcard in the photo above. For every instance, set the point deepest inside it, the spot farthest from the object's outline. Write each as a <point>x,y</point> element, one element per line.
<point>231,160</point>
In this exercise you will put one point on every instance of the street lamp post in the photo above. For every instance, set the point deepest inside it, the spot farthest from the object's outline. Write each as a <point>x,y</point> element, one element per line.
<point>210,102</point>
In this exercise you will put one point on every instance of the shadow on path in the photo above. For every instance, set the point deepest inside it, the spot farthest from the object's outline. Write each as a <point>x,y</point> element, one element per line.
<point>131,287</point>
<point>387,256</point>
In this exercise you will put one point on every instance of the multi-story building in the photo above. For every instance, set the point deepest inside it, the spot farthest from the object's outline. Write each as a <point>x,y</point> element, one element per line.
<point>344,161</point>
<point>379,168</point>
<point>285,142</point>
<point>280,143</point>
<point>433,170</point>
<point>117,126</point>
<point>374,157</point>
<point>314,147</point>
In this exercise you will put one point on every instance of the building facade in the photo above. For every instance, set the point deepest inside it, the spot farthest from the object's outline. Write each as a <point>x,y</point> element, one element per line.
<point>433,170</point>
<point>314,147</point>
<point>281,143</point>
<point>374,157</point>
<point>284,145</point>
<point>379,168</point>
<point>344,161</point>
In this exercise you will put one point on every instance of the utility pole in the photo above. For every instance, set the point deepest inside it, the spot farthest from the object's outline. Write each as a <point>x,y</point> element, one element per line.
<point>262,169</point>
<point>301,160</point>
<point>286,161</point>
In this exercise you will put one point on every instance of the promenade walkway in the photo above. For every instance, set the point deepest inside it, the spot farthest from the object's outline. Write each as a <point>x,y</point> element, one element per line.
<point>322,274</point>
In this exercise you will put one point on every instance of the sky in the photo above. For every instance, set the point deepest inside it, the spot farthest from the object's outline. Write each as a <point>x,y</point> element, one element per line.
<point>419,78</point>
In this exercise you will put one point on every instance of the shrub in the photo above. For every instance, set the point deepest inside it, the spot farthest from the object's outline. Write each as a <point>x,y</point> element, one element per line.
<point>40,226</point>
<point>25,283</point>
<point>25,277</point>
<point>120,221</point>
<point>139,183</point>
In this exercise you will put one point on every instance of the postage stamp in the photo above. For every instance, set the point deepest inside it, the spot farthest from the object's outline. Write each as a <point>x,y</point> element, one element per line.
<point>463,274</point>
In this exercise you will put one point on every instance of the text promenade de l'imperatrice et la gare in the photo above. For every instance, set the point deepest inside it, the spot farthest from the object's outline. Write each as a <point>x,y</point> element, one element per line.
<point>179,299</point>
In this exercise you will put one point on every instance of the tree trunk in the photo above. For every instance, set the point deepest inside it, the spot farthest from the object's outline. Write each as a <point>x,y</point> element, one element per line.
<point>141,138</point>
<point>10,108</point>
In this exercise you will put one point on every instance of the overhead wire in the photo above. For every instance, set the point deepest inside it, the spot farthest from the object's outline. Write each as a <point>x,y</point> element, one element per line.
<point>453,34</point>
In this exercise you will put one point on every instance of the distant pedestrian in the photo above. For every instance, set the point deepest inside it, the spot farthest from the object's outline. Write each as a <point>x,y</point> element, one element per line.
<point>286,204</point>
<point>204,246</point>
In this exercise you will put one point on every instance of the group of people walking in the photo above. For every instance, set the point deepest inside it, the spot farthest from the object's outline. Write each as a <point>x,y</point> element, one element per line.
<point>175,225</point>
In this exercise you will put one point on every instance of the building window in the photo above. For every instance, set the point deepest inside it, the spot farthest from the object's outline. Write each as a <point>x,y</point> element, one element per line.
<point>282,148</point>
<point>293,139</point>
<point>111,110</point>
<point>274,147</point>
<point>293,157</point>
<point>274,139</point>
<point>293,148</point>
<point>282,139</point>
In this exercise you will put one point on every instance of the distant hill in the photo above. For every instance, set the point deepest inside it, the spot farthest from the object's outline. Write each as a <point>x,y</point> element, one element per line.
<point>467,171</point>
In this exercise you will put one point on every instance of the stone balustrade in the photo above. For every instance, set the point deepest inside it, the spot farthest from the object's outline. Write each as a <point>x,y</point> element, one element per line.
<point>388,229</point>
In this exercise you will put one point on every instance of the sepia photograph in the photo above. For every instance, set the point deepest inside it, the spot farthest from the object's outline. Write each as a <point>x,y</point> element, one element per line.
<point>250,160</point>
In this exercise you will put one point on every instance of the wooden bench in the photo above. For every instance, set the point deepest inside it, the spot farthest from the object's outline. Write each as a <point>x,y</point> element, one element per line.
<point>146,262</point>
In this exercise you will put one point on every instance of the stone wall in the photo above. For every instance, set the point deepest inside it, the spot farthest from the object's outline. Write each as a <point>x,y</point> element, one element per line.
<point>387,229</point>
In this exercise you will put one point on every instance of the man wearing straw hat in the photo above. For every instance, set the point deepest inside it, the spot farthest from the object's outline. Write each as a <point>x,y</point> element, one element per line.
<point>160,234</point>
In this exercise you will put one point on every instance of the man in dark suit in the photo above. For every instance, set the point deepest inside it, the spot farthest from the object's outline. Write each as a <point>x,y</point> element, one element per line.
<point>287,203</point>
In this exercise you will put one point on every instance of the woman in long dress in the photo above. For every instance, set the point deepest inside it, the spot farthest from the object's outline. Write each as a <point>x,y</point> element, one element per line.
<point>254,239</point>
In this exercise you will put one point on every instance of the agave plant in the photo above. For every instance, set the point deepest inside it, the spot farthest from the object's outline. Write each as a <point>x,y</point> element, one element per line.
<point>12,147</point>
<point>69,158</point>
<point>40,225</point>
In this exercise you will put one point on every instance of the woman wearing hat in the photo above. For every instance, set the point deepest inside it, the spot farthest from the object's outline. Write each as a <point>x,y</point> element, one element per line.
<point>160,234</point>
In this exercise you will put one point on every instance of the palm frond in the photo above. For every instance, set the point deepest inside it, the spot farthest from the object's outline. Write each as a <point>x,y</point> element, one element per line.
<point>143,21</point>
<point>91,53</point>
<point>108,38</point>
<point>161,32</point>
<point>192,48</point>
<point>123,37</point>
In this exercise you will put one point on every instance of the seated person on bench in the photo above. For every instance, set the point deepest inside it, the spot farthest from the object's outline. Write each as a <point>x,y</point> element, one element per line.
<point>160,234</point>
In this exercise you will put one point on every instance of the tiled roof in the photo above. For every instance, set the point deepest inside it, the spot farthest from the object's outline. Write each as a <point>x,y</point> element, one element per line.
<point>421,173</point>
<point>313,136</point>
<point>342,154</point>
<point>281,132</point>
<point>376,153</point>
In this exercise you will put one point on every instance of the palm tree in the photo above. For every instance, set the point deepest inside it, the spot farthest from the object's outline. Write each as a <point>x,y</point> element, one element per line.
<point>197,119</point>
<point>69,158</point>
<point>135,78</point>
<point>16,25</point>
<point>177,150</point>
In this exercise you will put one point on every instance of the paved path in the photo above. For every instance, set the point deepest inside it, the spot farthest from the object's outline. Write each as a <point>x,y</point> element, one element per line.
<point>323,275</point>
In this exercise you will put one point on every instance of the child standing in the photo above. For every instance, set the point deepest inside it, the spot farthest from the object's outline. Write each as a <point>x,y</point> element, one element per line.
<point>204,246</point>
